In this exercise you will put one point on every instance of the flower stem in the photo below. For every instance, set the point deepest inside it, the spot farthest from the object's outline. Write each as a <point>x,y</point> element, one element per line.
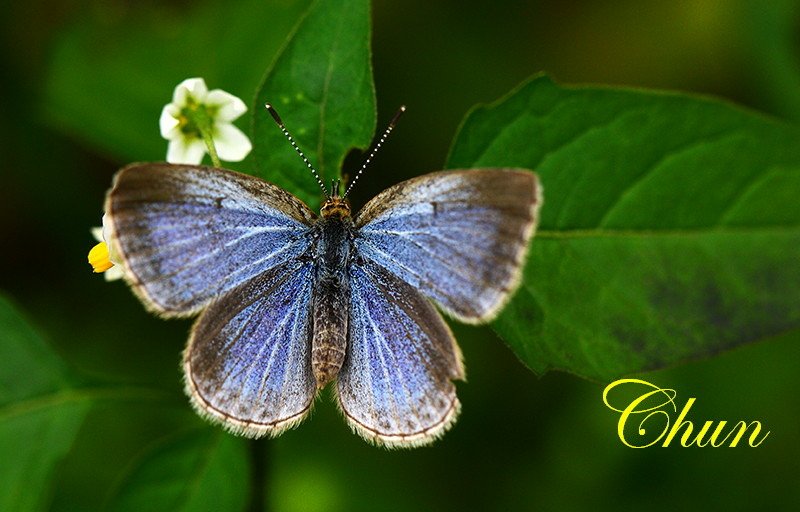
<point>203,121</point>
<point>212,150</point>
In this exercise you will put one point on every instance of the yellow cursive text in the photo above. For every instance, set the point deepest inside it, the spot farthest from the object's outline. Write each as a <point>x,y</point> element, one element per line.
<point>655,403</point>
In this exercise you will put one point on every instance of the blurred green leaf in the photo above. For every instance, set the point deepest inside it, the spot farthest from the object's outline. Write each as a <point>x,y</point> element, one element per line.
<point>670,228</point>
<point>770,33</point>
<point>39,413</point>
<point>321,85</point>
<point>201,470</point>
<point>24,353</point>
<point>115,68</point>
<point>42,409</point>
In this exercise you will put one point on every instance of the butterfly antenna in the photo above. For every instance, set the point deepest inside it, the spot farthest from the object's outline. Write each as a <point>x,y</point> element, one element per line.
<point>375,149</point>
<point>288,136</point>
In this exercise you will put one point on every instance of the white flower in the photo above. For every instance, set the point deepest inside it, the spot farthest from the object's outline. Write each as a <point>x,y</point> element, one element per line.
<point>103,256</point>
<point>194,107</point>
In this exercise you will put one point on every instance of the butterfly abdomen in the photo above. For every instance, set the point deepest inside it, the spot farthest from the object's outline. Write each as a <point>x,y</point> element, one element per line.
<point>330,331</point>
<point>331,299</point>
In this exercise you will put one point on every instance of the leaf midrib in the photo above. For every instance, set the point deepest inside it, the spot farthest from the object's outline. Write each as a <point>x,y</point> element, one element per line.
<point>66,396</point>
<point>325,94</point>
<point>652,233</point>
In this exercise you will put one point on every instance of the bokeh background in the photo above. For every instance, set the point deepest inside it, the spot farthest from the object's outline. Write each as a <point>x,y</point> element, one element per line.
<point>81,89</point>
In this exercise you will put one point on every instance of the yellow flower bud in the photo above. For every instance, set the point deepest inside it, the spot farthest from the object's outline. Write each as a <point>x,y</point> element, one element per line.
<point>98,258</point>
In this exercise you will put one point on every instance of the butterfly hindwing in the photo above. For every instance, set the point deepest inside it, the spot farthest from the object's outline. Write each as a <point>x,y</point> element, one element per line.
<point>248,362</point>
<point>460,237</point>
<point>395,387</point>
<point>187,234</point>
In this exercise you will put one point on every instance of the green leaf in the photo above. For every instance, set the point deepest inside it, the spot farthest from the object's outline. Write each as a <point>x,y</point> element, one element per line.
<point>196,471</point>
<point>321,85</point>
<point>670,228</point>
<point>770,41</point>
<point>39,415</point>
<point>42,410</point>
<point>112,72</point>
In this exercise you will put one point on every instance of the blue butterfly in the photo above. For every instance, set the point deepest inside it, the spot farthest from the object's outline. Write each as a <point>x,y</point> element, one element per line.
<point>290,301</point>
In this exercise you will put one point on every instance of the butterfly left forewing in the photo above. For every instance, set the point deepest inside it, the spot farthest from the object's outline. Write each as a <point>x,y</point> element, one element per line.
<point>396,385</point>
<point>187,234</point>
<point>460,237</point>
<point>248,362</point>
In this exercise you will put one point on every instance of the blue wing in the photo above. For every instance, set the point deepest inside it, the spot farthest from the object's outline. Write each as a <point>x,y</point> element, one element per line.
<point>188,234</point>
<point>248,362</point>
<point>460,237</point>
<point>395,386</point>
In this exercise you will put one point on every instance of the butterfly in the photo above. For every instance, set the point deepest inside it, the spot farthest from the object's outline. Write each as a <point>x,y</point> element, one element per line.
<point>290,301</point>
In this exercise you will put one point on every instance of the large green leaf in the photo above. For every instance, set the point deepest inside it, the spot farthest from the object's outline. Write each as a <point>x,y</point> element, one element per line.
<point>199,470</point>
<point>670,228</point>
<point>39,414</point>
<point>321,85</point>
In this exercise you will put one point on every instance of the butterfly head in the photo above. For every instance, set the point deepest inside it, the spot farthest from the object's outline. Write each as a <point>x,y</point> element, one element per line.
<point>335,206</point>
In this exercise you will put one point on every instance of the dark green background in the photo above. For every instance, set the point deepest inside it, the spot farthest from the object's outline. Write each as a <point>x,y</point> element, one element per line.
<point>522,442</point>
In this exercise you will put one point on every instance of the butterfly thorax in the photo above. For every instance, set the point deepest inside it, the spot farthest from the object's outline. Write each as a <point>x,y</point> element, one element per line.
<point>331,294</point>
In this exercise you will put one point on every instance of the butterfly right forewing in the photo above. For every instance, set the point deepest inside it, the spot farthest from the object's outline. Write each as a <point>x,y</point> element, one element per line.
<point>460,237</point>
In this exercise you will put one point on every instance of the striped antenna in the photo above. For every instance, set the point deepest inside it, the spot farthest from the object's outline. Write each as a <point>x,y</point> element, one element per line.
<point>375,149</point>
<point>279,121</point>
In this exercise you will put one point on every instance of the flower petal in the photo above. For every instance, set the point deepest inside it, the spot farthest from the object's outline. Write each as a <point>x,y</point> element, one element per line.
<point>168,122</point>
<point>114,273</point>
<point>97,233</point>
<point>106,230</point>
<point>194,87</point>
<point>230,106</point>
<point>232,145</point>
<point>105,233</point>
<point>186,151</point>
